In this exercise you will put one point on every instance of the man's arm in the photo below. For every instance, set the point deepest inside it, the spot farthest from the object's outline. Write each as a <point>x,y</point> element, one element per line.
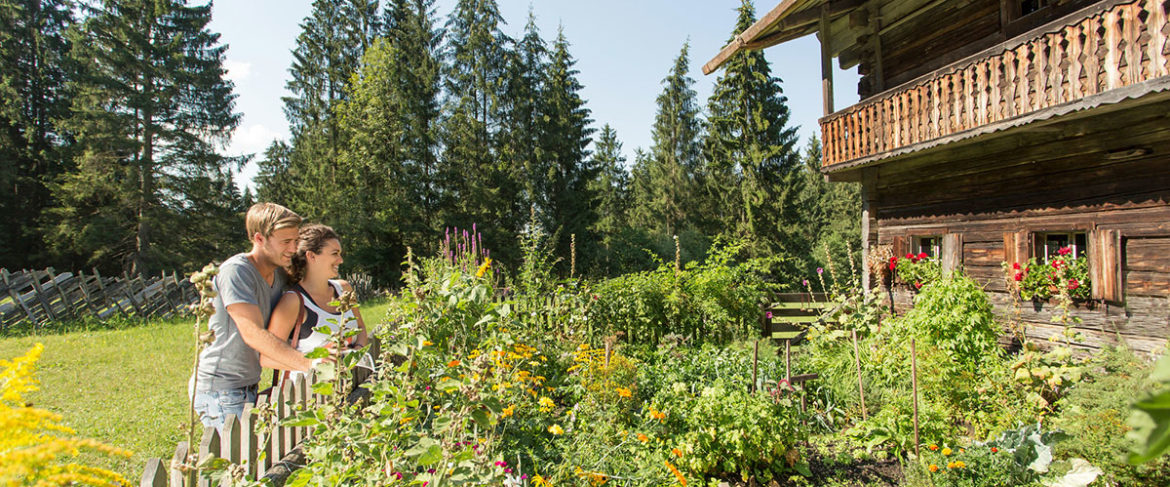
<point>278,352</point>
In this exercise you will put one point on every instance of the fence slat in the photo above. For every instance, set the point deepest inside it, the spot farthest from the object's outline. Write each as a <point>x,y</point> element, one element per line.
<point>208,446</point>
<point>16,296</point>
<point>40,296</point>
<point>249,442</point>
<point>178,478</point>
<point>155,474</point>
<point>230,441</point>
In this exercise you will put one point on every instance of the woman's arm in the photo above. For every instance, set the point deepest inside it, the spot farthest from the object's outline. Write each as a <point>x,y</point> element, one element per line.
<point>281,325</point>
<point>362,338</point>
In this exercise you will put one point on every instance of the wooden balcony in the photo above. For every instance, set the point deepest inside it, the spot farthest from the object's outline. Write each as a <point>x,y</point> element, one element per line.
<point>1103,54</point>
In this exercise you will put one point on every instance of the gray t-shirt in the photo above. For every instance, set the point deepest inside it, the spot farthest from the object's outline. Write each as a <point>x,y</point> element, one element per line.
<point>229,363</point>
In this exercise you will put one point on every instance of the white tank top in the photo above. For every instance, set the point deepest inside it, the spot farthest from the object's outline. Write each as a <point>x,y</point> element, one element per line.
<point>316,330</point>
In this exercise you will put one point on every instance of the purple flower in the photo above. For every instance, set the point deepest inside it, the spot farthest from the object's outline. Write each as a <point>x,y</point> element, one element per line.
<point>430,470</point>
<point>806,283</point>
<point>524,477</point>
<point>820,270</point>
<point>507,470</point>
<point>768,315</point>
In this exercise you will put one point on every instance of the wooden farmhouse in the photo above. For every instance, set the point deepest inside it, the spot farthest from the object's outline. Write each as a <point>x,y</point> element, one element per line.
<point>992,131</point>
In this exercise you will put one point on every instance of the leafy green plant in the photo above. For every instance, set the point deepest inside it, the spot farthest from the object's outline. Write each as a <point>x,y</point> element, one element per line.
<point>1151,417</point>
<point>918,270</point>
<point>955,315</point>
<point>1043,280</point>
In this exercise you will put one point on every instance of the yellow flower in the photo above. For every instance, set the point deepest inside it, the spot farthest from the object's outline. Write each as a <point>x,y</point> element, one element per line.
<point>405,420</point>
<point>950,464</point>
<point>487,264</point>
<point>556,429</point>
<point>546,404</point>
<point>624,392</point>
<point>678,475</point>
<point>427,343</point>
<point>508,410</point>
<point>946,451</point>
<point>659,415</point>
<point>539,481</point>
<point>960,464</point>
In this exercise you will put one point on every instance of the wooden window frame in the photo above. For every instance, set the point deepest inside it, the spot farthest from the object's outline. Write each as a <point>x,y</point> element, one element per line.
<point>934,249</point>
<point>1043,252</point>
<point>1103,250</point>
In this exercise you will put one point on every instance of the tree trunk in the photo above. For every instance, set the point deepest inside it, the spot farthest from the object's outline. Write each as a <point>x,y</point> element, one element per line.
<point>145,180</point>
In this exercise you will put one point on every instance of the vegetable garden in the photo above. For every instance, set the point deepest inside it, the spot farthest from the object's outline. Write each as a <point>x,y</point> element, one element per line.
<point>497,377</point>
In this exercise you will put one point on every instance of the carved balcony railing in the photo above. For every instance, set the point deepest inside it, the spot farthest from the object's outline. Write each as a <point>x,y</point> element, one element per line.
<point>1116,47</point>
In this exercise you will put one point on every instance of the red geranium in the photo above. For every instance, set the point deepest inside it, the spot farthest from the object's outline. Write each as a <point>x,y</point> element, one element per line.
<point>1073,284</point>
<point>893,264</point>
<point>1019,276</point>
<point>1064,251</point>
<point>923,255</point>
<point>909,256</point>
<point>1016,265</point>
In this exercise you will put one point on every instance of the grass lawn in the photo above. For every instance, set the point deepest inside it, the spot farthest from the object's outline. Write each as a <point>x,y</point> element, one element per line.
<point>126,387</point>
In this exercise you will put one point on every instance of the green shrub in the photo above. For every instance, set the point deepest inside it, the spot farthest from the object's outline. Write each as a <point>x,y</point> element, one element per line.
<point>955,315</point>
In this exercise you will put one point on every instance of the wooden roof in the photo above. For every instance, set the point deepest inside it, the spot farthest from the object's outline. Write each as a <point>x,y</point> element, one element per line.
<point>792,19</point>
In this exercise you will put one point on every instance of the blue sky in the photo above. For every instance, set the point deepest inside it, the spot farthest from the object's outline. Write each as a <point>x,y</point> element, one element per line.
<point>623,50</point>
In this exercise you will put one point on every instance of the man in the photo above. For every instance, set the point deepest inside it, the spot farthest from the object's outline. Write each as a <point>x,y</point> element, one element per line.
<point>248,286</point>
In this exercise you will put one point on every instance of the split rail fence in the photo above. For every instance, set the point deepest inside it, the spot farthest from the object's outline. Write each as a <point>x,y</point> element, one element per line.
<point>256,440</point>
<point>37,297</point>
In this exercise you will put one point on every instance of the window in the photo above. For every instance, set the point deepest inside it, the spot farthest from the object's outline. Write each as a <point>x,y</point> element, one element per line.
<point>1030,6</point>
<point>1049,243</point>
<point>932,245</point>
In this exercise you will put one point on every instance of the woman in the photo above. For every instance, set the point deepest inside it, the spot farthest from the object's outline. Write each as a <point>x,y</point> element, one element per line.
<point>305,306</point>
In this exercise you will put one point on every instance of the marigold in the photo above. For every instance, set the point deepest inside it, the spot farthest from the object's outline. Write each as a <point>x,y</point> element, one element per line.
<point>994,450</point>
<point>556,429</point>
<point>454,363</point>
<point>643,438</point>
<point>960,464</point>
<point>951,465</point>
<point>508,411</point>
<point>676,452</point>
<point>933,447</point>
<point>427,343</point>
<point>624,392</point>
<point>933,468</point>
<point>546,404</point>
<point>946,452</point>
<point>678,475</point>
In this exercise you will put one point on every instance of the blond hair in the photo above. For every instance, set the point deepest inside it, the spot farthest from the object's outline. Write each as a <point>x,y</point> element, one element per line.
<point>266,218</point>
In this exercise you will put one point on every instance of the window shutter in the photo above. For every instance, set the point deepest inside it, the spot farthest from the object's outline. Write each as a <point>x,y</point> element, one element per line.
<point>1105,265</point>
<point>952,252</point>
<point>901,246</point>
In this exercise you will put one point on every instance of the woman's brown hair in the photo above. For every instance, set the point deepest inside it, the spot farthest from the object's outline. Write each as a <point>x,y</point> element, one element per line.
<point>312,239</point>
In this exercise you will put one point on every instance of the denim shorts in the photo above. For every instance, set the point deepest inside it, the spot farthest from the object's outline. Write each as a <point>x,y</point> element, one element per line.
<point>214,406</point>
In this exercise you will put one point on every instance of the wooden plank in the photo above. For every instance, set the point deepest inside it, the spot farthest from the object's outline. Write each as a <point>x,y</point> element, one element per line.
<point>177,476</point>
<point>786,335</point>
<point>287,400</point>
<point>231,440</point>
<point>1150,254</point>
<point>12,293</point>
<point>155,474</point>
<point>209,446</point>
<point>801,305</point>
<point>67,308</point>
<point>795,319</point>
<point>249,440</point>
<point>43,300</point>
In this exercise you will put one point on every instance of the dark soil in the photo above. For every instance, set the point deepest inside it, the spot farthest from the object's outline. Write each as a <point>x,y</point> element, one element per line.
<point>834,471</point>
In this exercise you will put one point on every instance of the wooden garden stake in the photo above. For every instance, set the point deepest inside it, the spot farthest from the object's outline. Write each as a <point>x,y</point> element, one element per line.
<point>608,351</point>
<point>914,383</point>
<point>755,363</point>
<point>787,358</point>
<point>860,387</point>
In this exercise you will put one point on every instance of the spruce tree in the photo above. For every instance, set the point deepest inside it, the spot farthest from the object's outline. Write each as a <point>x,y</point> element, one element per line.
<point>832,210</point>
<point>566,136</point>
<point>33,148</point>
<point>477,187</point>
<point>611,184</point>
<point>754,182</point>
<point>275,180</point>
<point>520,137</point>
<point>151,103</point>
<point>332,40</point>
<point>411,30</point>
<point>666,197</point>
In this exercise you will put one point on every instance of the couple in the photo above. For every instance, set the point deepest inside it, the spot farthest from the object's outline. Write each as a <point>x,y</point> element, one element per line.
<point>284,283</point>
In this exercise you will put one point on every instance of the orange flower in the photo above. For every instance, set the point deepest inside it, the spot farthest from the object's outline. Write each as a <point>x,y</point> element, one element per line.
<point>960,464</point>
<point>933,468</point>
<point>659,415</point>
<point>950,464</point>
<point>678,475</point>
<point>642,438</point>
<point>454,363</point>
<point>676,452</point>
<point>933,447</point>
<point>624,392</point>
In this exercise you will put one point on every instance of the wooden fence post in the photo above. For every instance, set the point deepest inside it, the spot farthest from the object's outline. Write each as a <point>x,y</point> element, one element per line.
<point>178,477</point>
<point>860,387</point>
<point>914,383</point>
<point>248,440</point>
<point>40,295</point>
<point>231,439</point>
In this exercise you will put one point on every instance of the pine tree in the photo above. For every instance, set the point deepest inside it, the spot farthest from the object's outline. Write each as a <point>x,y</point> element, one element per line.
<point>665,197</point>
<point>754,181</point>
<point>332,40</point>
<point>33,148</point>
<point>151,102</point>
<point>832,210</point>
<point>566,136</point>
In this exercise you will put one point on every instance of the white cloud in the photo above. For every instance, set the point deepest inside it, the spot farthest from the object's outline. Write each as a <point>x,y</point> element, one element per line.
<point>237,71</point>
<point>252,139</point>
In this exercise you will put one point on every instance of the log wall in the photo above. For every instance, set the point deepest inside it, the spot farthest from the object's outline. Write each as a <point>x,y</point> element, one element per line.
<point>984,199</point>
